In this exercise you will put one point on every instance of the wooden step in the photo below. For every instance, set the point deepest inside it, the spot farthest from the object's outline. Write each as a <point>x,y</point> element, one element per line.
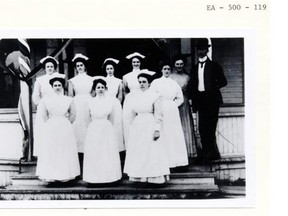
<point>175,178</point>
<point>124,190</point>
<point>26,179</point>
<point>182,185</point>
<point>10,168</point>
<point>199,168</point>
<point>13,166</point>
<point>195,178</point>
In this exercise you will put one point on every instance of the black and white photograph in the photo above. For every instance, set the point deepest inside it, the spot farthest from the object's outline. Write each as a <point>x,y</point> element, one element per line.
<point>127,118</point>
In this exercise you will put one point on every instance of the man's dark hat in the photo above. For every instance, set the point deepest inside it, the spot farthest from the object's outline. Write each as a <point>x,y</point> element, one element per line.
<point>202,43</point>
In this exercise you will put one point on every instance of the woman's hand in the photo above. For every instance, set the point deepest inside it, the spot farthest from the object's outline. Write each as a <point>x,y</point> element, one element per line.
<point>156,135</point>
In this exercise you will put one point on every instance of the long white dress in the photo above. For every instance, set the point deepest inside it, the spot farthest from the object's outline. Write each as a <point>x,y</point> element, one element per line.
<point>172,98</point>
<point>82,85</point>
<point>42,89</point>
<point>58,158</point>
<point>115,86</point>
<point>130,88</point>
<point>101,154</point>
<point>146,159</point>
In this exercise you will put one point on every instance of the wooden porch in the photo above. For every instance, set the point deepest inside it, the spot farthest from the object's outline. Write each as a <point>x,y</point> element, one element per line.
<point>198,181</point>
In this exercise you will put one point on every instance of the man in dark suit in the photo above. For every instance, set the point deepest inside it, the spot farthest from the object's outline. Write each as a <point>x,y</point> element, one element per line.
<point>207,78</point>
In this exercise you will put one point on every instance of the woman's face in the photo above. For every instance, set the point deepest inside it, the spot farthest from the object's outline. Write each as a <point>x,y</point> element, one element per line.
<point>136,63</point>
<point>49,68</point>
<point>179,65</point>
<point>57,87</point>
<point>144,84</point>
<point>80,67</point>
<point>100,89</point>
<point>110,70</point>
<point>166,70</point>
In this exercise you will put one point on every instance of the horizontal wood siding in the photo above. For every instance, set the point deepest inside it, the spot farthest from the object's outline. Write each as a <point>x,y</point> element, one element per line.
<point>229,53</point>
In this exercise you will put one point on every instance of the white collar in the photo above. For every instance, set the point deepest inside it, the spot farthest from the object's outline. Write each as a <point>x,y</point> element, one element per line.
<point>203,59</point>
<point>137,70</point>
<point>82,74</point>
<point>166,78</point>
<point>100,96</point>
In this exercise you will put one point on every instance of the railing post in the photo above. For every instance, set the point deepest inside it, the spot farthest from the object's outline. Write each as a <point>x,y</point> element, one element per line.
<point>31,134</point>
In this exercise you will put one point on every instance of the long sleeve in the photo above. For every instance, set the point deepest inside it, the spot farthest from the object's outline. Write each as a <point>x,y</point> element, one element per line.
<point>192,86</point>
<point>125,88</point>
<point>88,117</point>
<point>221,79</point>
<point>71,92</point>
<point>36,95</point>
<point>192,89</point>
<point>120,95</point>
<point>179,99</point>
<point>72,112</point>
<point>115,118</point>
<point>116,115</point>
<point>158,115</point>
<point>185,85</point>
<point>43,111</point>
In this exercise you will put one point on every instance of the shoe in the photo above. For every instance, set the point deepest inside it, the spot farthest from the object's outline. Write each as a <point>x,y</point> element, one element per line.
<point>55,184</point>
<point>155,185</point>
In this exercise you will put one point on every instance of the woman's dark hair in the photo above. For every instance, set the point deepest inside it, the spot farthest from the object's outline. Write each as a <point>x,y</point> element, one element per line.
<point>147,76</point>
<point>80,60</point>
<point>179,57</point>
<point>49,60</point>
<point>109,62</point>
<point>95,82</point>
<point>163,63</point>
<point>61,80</point>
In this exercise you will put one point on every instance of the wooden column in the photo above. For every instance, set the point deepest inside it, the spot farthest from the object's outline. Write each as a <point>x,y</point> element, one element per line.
<point>26,100</point>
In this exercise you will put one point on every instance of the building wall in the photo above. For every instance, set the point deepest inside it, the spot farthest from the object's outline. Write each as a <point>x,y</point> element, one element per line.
<point>10,136</point>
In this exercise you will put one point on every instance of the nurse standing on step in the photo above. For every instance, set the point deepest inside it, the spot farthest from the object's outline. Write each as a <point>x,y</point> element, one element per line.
<point>130,89</point>
<point>114,85</point>
<point>42,89</point>
<point>58,159</point>
<point>80,88</point>
<point>101,153</point>
<point>147,157</point>
<point>172,97</point>
<point>114,89</point>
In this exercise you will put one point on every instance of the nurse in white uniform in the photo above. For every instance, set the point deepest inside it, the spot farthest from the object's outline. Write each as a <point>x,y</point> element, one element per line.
<point>130,89</point>
<point>42,89</point>
<point>114,89</point>
<point>79,88</point>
